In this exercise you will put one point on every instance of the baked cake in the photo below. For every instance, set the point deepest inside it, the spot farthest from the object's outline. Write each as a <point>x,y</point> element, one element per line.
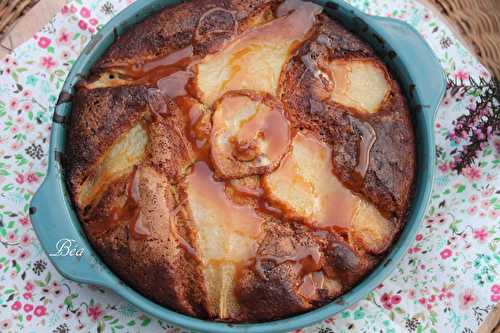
<point>240,161</point>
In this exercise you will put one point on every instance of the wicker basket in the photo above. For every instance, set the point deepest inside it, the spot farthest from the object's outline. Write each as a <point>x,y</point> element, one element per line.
<point>478,24</point>
<point>10,11</point>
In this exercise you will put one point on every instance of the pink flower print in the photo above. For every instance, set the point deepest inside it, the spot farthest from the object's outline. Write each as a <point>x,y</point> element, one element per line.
<point>495,289</point>
<point>91,30</point>
<point>11,237</point>
<point>20,179</point>
<point>411,294</point>
<point>73,9</point>
<point>488,192</point>
<point>472,210</point>
<point>419,237</point>
<point>443,167</point>
<point>473,198</point>
<point>27,307</point>
<point>85,12</point>
<point>25,240</point>
<point>13,103</point>
<point>27,296</point>
<point>40,310</point>
<point>482,214</point>
<point>494,214</point>
<point>64,37</point>
<point>24,255</point>
<point>43,42</point>
<point>48,62</point>
<point>26,107</point>
<point>481,234</point>
<point>65,10</point>
<point>472,173</point>
<point>29,317</point>
<point>486,204</point>
<point>467,298</point>
<point>32,178</point>
<point>29,286</point>
<point>462,75</point>
<point>94,312</point>
<point>16,306</point>
<point>24,221</point>
<point>445,254</point>
<point>93,21</point>
<point>14,129</point>
<point>28,127</point>
<point>82,24</point>
<point>27,93</point>
<point>395,299</point>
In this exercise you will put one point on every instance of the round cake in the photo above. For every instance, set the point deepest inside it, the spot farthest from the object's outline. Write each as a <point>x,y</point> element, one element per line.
<point>240,161</point>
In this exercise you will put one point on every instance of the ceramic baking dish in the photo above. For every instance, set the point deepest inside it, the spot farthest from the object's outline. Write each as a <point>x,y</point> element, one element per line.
<point>409,58</point>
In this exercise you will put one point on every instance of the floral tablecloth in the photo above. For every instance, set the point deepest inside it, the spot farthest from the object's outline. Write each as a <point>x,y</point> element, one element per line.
<point>448,282</point>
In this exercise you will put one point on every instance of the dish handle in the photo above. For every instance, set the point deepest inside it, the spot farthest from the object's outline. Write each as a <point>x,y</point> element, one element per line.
<point>428,81</point>
<point>63,241</point>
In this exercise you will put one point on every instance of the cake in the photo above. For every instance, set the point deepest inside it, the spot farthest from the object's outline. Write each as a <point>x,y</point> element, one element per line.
<point>240,161</point>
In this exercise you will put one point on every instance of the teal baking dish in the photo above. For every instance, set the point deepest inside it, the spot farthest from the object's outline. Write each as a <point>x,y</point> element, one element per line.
<point>405,52</point>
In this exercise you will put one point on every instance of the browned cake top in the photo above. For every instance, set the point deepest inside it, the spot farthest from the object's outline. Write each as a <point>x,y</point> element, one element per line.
<point>240,160</point>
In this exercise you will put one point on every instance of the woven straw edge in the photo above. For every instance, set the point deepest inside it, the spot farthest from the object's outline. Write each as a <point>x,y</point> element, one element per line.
<point>477,24</point>
<point>11,11</point>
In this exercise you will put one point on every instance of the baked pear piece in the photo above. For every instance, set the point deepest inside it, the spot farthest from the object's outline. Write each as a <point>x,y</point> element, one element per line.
<point>240,161</point>
<point>250,134</point>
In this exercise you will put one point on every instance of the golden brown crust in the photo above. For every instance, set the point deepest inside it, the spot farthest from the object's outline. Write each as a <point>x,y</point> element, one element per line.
<point>296,267</point>
<point>205,24</point>
<point>92,130</point>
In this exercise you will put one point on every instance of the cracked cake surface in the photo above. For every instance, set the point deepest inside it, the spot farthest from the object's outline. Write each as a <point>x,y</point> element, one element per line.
<point>240,161</point>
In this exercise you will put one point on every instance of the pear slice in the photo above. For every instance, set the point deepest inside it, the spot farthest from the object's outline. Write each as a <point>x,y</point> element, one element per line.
<point>250,134</point>
<point>360,84</point>
<point>107,79</point>
<point>370,229</point>
<point>306,187</point>
<point>254,59</point>
<point>227,236</point>
<point>118,161</point>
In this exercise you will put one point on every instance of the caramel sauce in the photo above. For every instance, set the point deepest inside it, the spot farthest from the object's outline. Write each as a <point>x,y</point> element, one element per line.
<point>152,71</point>
<point>365,144</point>
<point>240,219</point>
<point>310,284</point>
<point>305,259</point>
<point>129,213</point>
